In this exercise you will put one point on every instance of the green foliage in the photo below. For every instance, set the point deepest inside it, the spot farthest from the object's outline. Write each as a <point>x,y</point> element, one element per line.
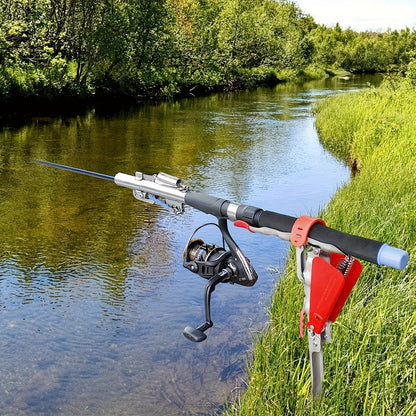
<point>23,81</point>
<point>411,71</point>
<point>363,52</point>
<point>147,48</point>
<point>370,366</point>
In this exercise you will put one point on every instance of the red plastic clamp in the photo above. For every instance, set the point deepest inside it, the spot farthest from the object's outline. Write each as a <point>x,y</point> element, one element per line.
<point>301,228</point>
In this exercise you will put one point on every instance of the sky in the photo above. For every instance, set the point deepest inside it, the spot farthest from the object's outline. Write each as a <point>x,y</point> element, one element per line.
<point>362,15</point>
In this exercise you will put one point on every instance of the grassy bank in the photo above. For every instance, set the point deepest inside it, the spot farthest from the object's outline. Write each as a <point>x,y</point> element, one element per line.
<point>370,367</point>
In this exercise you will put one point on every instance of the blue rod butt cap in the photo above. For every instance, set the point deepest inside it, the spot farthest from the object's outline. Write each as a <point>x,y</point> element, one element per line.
<point>392,256</point>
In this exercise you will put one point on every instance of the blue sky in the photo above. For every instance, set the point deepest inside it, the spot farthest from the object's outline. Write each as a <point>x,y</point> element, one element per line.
<point>361,15</point>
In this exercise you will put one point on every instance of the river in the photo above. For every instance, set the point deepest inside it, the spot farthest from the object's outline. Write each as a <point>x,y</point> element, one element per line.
<point>94,297</point>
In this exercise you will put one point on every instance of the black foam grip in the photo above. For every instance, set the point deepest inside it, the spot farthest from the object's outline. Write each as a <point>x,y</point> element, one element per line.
<point>206,203</point>
<point>353,245</point>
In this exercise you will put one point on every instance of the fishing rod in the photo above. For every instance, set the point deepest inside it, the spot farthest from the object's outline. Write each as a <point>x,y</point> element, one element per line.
<point>326,258</point>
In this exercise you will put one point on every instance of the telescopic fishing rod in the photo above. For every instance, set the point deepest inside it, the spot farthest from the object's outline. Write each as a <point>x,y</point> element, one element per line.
<point>326,258</point>
<point>170,192</point>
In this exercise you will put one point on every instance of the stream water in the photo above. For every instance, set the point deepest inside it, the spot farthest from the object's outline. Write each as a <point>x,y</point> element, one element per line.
<point>93,295</point>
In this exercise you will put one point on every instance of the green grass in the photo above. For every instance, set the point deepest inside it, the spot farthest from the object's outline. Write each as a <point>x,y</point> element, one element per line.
<point>370,367</point>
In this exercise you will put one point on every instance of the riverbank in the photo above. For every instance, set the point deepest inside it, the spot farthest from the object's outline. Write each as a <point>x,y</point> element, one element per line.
<point>370,366</point>
<point>29,90</point>
<point>26,93</point>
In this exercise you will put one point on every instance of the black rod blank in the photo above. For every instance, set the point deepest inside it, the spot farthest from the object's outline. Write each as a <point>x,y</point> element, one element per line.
<point>76,170</point>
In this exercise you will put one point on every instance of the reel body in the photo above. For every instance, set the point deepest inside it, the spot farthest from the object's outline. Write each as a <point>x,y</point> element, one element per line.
<point>218,265</point>
<point>205,259</point>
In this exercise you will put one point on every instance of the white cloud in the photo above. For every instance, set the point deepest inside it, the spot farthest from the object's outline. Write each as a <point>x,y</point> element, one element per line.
<point>362,14</point>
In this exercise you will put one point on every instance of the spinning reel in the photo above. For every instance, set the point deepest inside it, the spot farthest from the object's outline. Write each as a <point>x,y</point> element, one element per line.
<point>217,265</point>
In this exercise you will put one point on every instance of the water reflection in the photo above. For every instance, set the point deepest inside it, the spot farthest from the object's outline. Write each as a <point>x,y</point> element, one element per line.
<point>93,296</point>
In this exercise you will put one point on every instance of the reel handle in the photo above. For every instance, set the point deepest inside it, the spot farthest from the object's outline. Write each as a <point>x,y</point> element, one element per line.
<point>197,334</point>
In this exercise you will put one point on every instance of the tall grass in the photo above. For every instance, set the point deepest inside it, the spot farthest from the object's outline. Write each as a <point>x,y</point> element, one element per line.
<point>370,367</point>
